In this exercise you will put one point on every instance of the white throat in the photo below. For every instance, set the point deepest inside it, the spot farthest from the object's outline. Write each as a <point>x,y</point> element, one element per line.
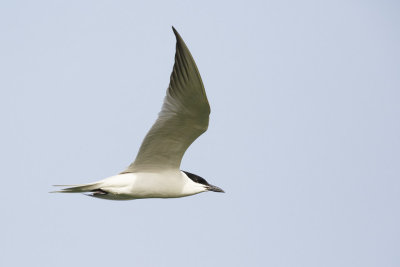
<point>190,187</point>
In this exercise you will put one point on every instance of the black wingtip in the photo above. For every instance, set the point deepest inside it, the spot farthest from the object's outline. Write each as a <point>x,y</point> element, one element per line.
<point>177,35</point>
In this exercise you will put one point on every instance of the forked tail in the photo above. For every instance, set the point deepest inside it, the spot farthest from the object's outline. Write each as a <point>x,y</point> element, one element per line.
<point>79,188</point>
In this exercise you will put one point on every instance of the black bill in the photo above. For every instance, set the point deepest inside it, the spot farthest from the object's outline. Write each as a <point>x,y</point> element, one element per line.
<point>214,188</point>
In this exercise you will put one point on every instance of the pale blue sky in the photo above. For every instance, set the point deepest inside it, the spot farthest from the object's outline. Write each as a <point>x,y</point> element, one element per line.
<point>304,132</point>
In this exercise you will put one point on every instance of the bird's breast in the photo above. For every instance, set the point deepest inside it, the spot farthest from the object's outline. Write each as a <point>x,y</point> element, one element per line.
<point>157,185</point>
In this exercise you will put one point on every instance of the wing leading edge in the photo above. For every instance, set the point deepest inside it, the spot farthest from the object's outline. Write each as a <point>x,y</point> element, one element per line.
<point>183,117</point>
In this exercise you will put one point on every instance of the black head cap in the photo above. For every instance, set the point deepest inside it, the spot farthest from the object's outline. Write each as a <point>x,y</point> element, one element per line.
<point>197,179</point>
<point>200,180</point>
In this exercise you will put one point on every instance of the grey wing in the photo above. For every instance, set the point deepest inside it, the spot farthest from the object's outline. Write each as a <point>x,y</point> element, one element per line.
<point>182,119</point>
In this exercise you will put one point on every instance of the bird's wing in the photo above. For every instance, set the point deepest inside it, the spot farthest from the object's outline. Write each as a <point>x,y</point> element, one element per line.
<point>183,117</point>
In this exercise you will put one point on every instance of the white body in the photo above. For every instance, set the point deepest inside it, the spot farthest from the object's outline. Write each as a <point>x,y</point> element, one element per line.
<point>166,184</point>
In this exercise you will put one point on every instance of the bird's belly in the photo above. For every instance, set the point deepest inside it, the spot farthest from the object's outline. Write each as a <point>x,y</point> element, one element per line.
<point>151,189</point>
<point>146,185</point>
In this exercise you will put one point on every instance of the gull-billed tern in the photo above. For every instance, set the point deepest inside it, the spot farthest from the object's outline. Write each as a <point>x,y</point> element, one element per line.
<point>156,173</point>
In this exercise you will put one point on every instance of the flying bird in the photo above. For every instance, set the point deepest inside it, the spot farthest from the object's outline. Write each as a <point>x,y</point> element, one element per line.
<point>156,173</point>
